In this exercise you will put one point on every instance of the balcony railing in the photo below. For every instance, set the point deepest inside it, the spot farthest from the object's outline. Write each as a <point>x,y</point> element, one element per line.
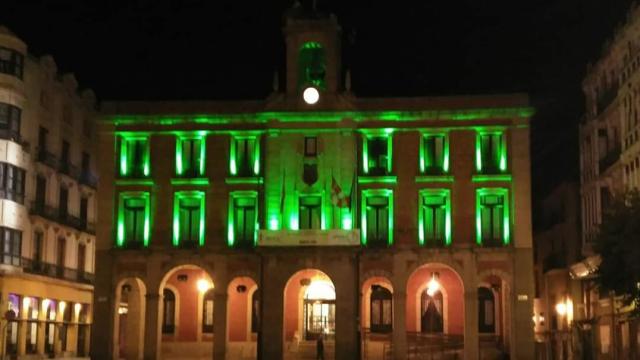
<point>69,169</point>
<point>606,98</point>
<point>55,271</point>
<point>609,159</point>
<point>89,179</point>
<point>43,268</point>
<point>12,135</point>
<point>47,158</point>
<point>54,214</point>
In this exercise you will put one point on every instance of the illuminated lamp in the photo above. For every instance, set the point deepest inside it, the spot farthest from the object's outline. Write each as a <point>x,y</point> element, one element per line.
<point>433,285</point>
<point>561,308</point>
<point>203,285</point>
<point>311,95</point>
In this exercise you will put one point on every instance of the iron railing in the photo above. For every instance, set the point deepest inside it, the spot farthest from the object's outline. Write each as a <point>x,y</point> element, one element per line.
<point>89,179</point>
<point>47,158</point>
<point>54,214</point>
<point>47,269</point>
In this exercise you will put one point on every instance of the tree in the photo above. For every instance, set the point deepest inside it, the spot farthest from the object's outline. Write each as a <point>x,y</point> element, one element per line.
<point>618,244</point>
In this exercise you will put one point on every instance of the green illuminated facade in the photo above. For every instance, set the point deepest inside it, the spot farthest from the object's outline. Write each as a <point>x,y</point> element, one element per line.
<point>360,187</point>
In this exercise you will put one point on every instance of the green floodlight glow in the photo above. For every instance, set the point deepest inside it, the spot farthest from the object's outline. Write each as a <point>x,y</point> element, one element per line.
<point>388,193</point>
<point>365,155</point>
<point>506,239</point>
<point>274,223</point>
<point>200,137</point>
<point>478,153</point>
<point>376,133</point>
<point>480,114</point>
<point>179,195</point>
<point>425,161</point>
<point>503,153</point>
<point>446,193</point>
<point>347,222</point>
<point>125,139</point>
<point>233,151</point>
<point>230,215</point>
<point>120,232</point>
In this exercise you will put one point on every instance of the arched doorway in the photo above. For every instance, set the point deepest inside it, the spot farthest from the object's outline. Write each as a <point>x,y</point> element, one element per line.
<point>431,312</point>
<point>309,314</point>
<point>319,310</point>
<point>486,311</point>
<point>381,309</point>
<point>129,315</point>
<point>435,300</point>
<point>187,311</point>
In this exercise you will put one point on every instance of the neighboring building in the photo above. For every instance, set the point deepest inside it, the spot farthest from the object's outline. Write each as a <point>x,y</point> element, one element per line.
<point>47,203</point>
<point>610,165</point>
<point>243,229</point>
<point>557,245</point>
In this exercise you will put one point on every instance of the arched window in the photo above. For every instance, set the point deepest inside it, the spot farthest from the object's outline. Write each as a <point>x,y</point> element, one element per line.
<point>169,313</point>
<point>207,312</point>
<point>255,311</point>
<point>311,65</point>
<point>431,308</point>
<point>486,313</point>
<point>381,309</point>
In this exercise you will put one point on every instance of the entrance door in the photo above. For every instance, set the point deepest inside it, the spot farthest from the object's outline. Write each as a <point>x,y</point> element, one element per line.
<point>486,311</point>
<point>319,318</point>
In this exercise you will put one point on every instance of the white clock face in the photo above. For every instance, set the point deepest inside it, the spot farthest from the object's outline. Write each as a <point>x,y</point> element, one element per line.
<point>311,95</point>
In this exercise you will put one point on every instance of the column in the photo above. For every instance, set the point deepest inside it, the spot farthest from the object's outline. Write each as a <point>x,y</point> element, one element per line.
<point>271,319</point>
<point>220,323</point>
<point>152,326</point>
<point>22,332</point>
<point>399,337</point>
<point>471,324</point>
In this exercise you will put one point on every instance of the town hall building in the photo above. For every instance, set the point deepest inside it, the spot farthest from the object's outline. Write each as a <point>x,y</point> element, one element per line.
<point>390,227</point>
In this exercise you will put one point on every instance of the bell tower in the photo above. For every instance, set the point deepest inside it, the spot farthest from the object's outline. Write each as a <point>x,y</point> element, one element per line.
<point>313,54</point>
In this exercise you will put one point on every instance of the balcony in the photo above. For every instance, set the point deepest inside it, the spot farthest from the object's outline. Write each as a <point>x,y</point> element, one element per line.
<point>606,98</point>
<point>609,159</point>
<point>8,134</point>
<point>69,169</point>
<point>47,158</point>
<point>50,213</point>
<point>89,179</point>
<point>56,271</point>
<point>332,237</point>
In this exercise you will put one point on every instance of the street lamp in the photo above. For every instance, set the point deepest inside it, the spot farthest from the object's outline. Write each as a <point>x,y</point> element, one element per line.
<point>203,285</point>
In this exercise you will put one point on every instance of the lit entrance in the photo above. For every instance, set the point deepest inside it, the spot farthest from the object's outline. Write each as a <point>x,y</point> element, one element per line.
<point>319,310</point>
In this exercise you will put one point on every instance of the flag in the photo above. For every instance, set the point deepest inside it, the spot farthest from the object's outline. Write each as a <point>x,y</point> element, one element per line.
<point>338,197</point>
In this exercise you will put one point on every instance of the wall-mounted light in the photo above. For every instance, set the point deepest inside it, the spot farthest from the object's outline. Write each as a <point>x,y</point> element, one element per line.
<point>433,285</point>
<point>203,285</point>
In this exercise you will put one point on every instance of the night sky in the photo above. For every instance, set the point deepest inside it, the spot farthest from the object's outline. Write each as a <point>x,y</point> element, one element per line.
<point>229,49</point>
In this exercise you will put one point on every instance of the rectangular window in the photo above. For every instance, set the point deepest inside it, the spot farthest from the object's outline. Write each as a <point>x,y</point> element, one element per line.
<point>435,217</point>
<point>310,212</point>
<point>134,156</point>
<point>10,121</point>
<point>243,218</point>
<point>11,62</point>
<point>244,156</point>
<point>63,203</point>
<point>190,157</point>
<point>12,182</point>
<point>492,217</point>
<point>188,222</point>
<point>434,156</point>
<point>38,247</point>
<point>11,242</point>
<point>310,146</point>
<point>377,217</point>
<point>133,220</point>
<point>376,155</point>
<point>491,153</point>
<point>82,257</point>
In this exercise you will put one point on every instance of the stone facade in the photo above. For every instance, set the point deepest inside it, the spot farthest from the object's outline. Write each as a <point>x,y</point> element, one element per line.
<point>47,206</point>
<point>297,196</point>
